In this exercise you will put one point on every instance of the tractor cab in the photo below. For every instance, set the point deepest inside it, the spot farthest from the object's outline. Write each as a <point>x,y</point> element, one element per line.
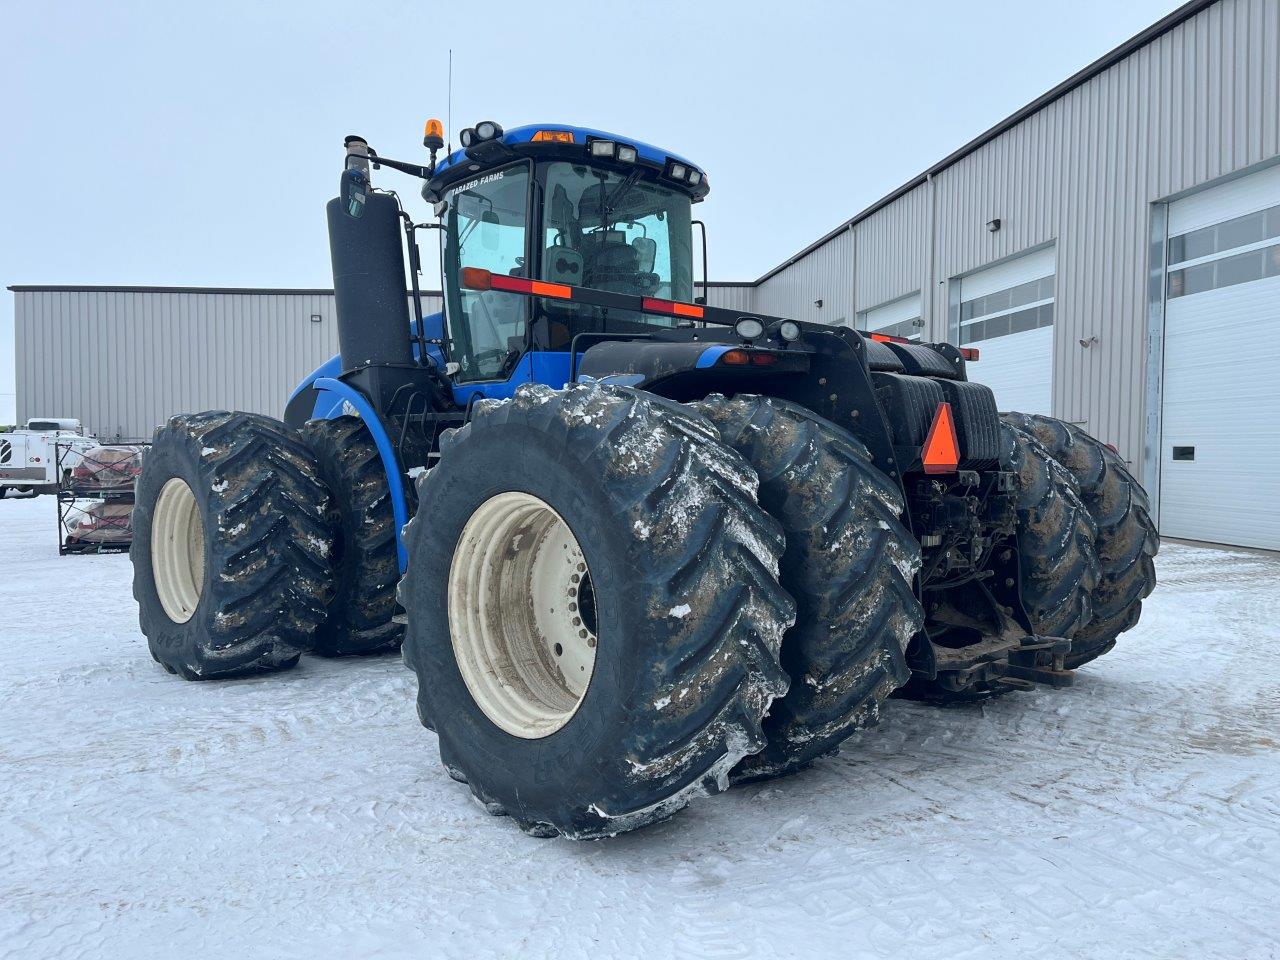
<point>563,206</point>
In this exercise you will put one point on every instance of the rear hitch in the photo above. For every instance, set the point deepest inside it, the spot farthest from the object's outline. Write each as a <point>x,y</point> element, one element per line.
<point>1014,660</point>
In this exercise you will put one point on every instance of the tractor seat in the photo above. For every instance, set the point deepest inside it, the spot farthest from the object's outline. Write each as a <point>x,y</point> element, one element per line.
<point>610,263</point>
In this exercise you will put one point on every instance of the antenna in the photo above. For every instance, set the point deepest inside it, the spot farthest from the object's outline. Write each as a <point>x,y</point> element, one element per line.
<point>449,107</point>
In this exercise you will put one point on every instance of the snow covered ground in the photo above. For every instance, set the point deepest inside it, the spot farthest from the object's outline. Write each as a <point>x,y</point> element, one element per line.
<point>306,815</point>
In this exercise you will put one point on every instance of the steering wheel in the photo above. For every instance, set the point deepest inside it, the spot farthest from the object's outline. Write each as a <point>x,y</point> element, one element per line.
<point>484,356</point>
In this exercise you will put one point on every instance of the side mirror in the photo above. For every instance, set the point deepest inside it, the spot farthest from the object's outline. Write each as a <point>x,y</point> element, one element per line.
<point>354,192</point>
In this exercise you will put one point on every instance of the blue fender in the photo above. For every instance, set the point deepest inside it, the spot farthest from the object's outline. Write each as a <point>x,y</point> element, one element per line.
<point>395,483</point>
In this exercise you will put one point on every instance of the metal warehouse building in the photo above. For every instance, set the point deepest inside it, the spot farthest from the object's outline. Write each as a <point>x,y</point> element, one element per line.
<point>1112,249</point>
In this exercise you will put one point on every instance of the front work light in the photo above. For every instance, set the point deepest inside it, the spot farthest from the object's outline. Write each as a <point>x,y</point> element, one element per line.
<point>488,130</point>
<point>748,328</point>
<point>627,154</point>
<point>679,171</point>
<point>466,137</point>
<point>603,148</point>
<point>789,330</point>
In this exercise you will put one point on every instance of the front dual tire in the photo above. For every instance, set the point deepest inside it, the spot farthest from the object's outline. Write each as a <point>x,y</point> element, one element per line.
<point>231,546</point>
<point>684,607</point>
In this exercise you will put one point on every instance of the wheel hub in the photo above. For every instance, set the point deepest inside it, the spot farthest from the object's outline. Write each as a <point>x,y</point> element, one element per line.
<point>522,615</point>
<point>177,550</point>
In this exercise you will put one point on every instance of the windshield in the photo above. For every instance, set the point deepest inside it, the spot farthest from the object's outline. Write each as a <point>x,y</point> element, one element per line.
<point>486,228</point>
<point>612,231</point>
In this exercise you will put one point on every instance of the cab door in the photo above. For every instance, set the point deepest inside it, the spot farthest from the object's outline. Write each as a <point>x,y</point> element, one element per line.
<point>488,226</point>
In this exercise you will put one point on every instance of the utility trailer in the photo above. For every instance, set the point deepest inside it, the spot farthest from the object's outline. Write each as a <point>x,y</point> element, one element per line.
<point>635,547</point>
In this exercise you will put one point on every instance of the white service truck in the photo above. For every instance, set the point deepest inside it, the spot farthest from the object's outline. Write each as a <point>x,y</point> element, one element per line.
<point>29,459</point>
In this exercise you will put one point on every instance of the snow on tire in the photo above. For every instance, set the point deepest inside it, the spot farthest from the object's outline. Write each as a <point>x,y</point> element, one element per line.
<point>1126,541</point>
<point>366,569</point>
<point>231,547</point>
<point>593,608</point>
<point>849,563</point>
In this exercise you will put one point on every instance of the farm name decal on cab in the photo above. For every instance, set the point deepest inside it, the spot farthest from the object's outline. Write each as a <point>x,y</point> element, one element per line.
<point>487,178</point>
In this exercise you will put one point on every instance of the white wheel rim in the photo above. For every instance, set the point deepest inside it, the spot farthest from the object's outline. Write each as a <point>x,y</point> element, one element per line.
<point>177,550</point>
<point>522,615</point>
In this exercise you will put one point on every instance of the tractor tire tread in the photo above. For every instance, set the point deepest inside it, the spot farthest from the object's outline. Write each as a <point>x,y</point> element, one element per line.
<point>849,563</point>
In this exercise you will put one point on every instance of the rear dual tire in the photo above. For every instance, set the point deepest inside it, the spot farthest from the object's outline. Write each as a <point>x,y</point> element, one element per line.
<point>1125,542</point>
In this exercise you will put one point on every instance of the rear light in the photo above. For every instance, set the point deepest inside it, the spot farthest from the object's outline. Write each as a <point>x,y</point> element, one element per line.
<point>742,358</point>
<point>969,353</point>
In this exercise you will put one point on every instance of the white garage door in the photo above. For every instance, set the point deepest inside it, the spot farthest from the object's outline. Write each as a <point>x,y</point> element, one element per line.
<point>1220,425</point>
<point>897,318</point>
<point>1006,311</point>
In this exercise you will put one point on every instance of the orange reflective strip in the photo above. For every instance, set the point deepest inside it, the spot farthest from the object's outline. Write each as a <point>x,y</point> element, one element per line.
<point>539,288</point>
<point>941,453</point>
<point>654,305</point>
<point>544,289</point>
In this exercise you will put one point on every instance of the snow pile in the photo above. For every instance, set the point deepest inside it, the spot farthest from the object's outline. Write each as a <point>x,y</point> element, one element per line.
<point>306,815</point>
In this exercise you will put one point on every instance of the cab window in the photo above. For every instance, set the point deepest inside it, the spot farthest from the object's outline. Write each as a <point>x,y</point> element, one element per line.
<point>486,227</point>
<point>613,231</point>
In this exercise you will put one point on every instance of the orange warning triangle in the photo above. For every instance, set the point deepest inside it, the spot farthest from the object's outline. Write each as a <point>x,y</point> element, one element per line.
<point>941,453</point>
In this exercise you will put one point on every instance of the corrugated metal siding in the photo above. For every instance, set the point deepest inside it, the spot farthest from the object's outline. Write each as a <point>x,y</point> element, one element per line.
<point>124,361</point>
<point>893,252</point>
<point>732,296</point>
<point>1200,102</point>
<point>826,274</point>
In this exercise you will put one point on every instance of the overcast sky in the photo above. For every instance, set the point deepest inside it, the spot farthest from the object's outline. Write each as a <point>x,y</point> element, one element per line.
<point>196,143</point>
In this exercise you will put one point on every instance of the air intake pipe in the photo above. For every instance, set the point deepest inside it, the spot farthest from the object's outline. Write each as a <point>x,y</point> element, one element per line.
<point>365,244</point>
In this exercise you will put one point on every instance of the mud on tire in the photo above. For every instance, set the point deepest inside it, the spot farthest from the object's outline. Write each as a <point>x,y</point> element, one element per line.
<point>1058,563</point>
<point>247,557</point>
<point>687,608</point>
<point>849,564</point>
<point>366,569</point>
<point>1126,541</point>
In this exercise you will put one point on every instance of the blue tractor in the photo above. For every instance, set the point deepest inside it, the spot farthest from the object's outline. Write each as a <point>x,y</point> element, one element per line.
<point>635,546</point>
